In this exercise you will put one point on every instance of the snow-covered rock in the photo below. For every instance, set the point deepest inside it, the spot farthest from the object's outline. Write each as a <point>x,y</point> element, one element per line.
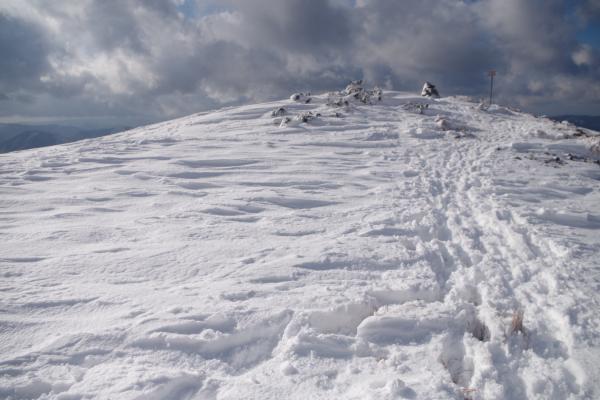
<point>429,90</point>
<point>301,97</point>
<point>387,254</point>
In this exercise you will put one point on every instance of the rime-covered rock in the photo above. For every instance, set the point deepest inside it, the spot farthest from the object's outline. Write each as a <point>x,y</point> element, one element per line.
<point>429,90</point>
<point>301,97</point>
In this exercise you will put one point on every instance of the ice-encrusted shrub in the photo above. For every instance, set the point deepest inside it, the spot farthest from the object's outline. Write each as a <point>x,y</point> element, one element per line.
<point>442,123</point>
<point>354,92</point>
<point>280,112</point>
<point>354,87</point>
<point>482,105</point>
<point>595,145</point>
<point>419,108</point>
<point>301,97</point>
<point>335,100</point>
<point>303,117</point>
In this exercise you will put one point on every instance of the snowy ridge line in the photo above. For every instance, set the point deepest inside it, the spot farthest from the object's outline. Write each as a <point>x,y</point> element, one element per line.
<point>400,248</point>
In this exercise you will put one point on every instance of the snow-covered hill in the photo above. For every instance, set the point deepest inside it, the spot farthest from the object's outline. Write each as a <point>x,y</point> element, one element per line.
<point>374,252</point>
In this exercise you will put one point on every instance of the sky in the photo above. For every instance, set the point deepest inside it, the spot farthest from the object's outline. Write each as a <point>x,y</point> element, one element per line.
<point>130,62</point>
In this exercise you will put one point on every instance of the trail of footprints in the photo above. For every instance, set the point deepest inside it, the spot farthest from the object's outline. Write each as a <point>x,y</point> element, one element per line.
<point>361,328</point>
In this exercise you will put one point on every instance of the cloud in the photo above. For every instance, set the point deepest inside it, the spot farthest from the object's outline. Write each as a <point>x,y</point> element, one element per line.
<point>155,59</point>
<point>24,54</point>
<point>299,26</point>
<point>425,40</point>
<point>584,56</point>
<point>589,11</point>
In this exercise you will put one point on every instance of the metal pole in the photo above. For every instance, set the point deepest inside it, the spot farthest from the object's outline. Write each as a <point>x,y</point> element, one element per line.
<point>492,73</point>
<point>491,89</point>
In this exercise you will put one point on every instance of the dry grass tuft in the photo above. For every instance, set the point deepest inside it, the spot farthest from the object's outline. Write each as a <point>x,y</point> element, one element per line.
<point>468,393</point>
<point>516,324</point>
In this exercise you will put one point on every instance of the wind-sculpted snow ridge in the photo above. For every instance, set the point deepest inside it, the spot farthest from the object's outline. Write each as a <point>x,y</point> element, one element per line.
<point>413,248</point>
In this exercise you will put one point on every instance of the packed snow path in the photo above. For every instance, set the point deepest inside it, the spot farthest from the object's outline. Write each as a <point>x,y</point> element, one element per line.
<point>375,254</point>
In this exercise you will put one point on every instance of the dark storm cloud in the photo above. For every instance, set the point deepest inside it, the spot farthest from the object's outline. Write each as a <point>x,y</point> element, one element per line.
<point>113,26</point>
<point>534,33</point>
<point>446,46</point>
<point>23,54</point>
<point>590,11</point>
<point>221,65</point>
<point>144,57</point>
<point>306,26</point>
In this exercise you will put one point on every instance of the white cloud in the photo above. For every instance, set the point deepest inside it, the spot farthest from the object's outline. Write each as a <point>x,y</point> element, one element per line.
<point>583,56</point>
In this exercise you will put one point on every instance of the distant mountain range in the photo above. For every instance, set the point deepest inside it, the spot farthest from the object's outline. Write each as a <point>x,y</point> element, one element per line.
<point>584,121</point>
<point>14,137</point>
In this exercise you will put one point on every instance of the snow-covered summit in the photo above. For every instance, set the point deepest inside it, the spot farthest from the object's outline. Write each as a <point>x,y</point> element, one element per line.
<point>412,248</point>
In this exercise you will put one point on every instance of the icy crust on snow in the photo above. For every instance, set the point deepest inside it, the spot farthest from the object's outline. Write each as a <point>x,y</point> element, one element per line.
<point>413,248</point>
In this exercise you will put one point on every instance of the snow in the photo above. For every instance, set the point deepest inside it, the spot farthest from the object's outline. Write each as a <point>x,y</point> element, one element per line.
<point>372,252</point>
